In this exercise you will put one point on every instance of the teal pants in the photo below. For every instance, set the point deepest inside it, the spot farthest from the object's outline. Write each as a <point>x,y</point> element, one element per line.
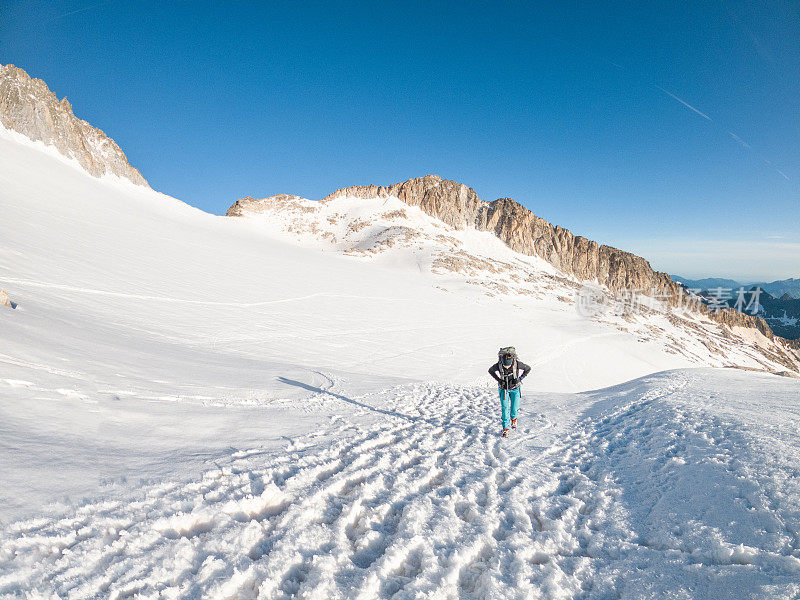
<point>508,397</point>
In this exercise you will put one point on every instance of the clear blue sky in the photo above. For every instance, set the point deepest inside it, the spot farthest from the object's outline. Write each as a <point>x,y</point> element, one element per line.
<point>616,121</point>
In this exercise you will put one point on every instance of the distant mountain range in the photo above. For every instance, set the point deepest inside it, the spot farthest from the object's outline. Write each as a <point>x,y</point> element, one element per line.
<point>779,301</point>
<point>782,314</point>
<point>776,289</point>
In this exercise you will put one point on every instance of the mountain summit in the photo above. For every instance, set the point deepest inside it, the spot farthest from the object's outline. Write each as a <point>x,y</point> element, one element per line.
<point>27,106</point>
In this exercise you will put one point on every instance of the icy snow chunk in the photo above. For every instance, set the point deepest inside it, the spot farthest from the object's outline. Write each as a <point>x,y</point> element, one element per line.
<point>271,502</point>
<point>185,525</point>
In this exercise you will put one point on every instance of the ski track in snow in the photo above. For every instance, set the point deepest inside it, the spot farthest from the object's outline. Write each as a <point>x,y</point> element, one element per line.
<point>428,503</point>
<point>83,290</point>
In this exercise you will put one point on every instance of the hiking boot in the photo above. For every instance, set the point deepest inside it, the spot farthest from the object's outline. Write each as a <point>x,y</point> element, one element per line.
<point>513,423</point>
<point>505,432</point>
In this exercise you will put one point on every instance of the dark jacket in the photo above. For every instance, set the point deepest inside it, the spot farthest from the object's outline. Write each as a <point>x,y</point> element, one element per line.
<point>509,379</point>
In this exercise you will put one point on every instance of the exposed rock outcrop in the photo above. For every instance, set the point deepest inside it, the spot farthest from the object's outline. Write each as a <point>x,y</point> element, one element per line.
<point>451,202</point>
<point>27,106</point>
<point>250,205</point>
<point>5,300</point>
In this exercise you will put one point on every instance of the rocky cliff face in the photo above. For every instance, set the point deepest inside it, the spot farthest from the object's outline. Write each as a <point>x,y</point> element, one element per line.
<point>521,230</point>
<point>524,232</point>
<point>27,106</point>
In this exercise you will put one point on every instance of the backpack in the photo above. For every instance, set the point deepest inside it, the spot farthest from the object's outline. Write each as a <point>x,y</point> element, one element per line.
<point>509,350</point>
<point>513,372</point>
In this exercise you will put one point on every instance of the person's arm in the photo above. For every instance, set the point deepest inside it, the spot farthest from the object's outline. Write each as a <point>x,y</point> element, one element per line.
<point>525,369</point>
<point>493,372</point>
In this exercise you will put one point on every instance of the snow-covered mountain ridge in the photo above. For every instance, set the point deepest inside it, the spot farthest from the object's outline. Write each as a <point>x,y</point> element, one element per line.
<point>27,106</point>
<point>458,206</point>
<point>443,228</point>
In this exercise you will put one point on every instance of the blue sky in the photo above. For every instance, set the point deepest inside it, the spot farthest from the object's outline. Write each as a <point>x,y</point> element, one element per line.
<point>668,129</point>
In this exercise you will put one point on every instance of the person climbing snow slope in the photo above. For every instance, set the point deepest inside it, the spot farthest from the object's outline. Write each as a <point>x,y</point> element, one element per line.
<point>506,372</point>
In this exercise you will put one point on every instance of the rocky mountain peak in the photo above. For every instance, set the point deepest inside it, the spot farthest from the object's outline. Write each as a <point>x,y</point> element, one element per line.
<point>520,229</point>
<point>27,106</point>
<point>449,201</point>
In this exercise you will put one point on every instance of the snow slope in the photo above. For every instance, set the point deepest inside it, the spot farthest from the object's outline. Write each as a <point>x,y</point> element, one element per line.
<point>664,487</point>
<point>200,406</point>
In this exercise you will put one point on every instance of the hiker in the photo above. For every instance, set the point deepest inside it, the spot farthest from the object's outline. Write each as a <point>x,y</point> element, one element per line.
<point>506,372</point>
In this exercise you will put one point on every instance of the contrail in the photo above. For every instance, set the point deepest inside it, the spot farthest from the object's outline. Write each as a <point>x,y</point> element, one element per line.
<point>686,104</point>
<point>733,136</point>
<point>612,63</point>
<point>80,10</point>
<point>730,133</point>
<point>772,166</point>
<point>738,139</point>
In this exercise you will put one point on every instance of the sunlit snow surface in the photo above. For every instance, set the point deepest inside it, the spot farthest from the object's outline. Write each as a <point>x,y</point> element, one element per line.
<point>193,406</point>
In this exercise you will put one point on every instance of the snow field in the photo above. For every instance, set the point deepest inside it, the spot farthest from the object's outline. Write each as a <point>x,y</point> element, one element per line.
<point>634,491</point>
